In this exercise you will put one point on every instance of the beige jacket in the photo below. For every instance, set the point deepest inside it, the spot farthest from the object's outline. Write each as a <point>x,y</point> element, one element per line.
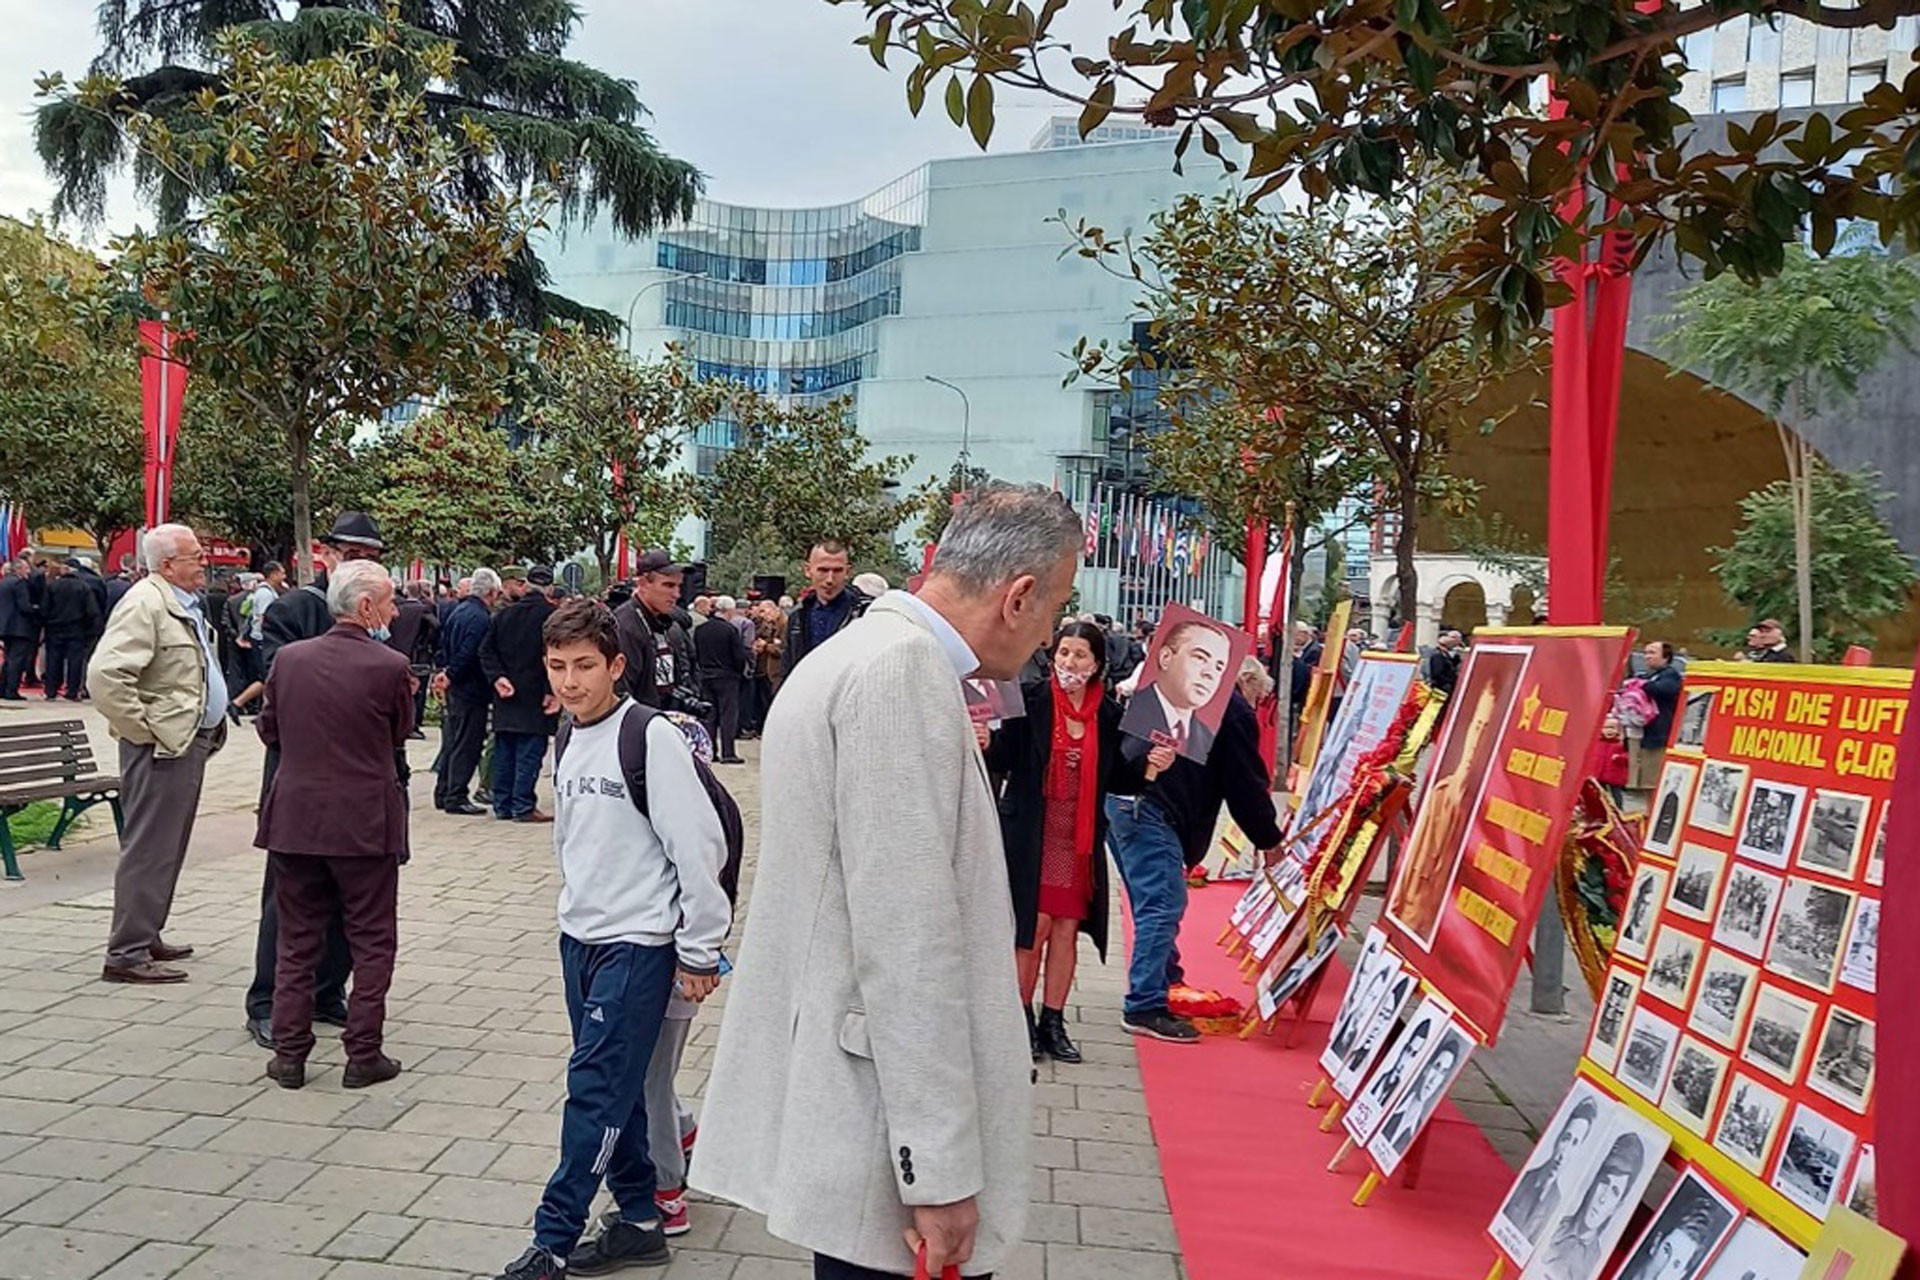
<point>148,675</point>
<point>873,1055</point>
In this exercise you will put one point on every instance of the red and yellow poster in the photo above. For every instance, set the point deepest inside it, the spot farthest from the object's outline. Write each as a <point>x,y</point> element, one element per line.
<point>1479,863</point>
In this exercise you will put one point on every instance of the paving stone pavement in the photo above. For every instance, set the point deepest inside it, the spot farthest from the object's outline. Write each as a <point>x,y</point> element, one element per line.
<point>139,1141</point>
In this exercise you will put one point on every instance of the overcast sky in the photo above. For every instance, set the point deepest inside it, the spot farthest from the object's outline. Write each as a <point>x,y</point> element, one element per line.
<point>767,97</point>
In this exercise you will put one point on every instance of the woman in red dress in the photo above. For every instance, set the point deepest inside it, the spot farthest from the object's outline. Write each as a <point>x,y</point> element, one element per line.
<point>1058,762</point>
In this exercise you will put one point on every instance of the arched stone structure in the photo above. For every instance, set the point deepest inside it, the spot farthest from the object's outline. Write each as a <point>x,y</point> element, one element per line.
<point>1442,575</point>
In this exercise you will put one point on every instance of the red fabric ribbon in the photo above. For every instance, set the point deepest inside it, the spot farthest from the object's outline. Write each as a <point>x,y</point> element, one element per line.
<point>1085,803</point>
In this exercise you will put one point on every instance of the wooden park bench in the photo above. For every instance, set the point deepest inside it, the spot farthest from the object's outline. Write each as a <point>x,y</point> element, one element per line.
<point>51,760</point>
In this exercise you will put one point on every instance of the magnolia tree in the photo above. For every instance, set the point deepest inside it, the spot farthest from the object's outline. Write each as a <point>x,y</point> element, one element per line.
<point>1351,99</point>
<point>324,277</point>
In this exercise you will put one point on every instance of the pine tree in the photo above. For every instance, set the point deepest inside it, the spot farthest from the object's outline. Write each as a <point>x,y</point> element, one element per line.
<point>553,119</point>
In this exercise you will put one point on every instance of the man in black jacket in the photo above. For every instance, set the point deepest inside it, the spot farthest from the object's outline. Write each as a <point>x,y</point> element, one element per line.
<point>1165,829</point>
<point>661,667</point>
<point>71,615</point>
<point>415,636</point>
<point>829,604</point>
<point>469,694</point>
<point>19,626</point>
<point>720,655</point>
<point>513,657</point>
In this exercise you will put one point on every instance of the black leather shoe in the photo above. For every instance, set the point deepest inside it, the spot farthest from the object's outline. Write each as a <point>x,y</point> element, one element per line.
<point>1033,1036</point>
<point>261,1029</point>
<point>1053,1037</point>
<point>464,810</point>
<point>621,1244</point>
<point>359,1075</point>
<point>288,1075</point>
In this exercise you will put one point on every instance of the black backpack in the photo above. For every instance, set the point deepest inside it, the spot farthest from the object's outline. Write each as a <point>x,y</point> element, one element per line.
<point>633,767</point>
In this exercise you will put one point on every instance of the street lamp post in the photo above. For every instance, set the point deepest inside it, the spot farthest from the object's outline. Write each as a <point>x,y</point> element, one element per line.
<point>649,288</point>
<point>966,419</point>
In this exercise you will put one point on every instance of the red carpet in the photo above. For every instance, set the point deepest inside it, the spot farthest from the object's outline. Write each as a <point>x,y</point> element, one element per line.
<point>1245,1162</point>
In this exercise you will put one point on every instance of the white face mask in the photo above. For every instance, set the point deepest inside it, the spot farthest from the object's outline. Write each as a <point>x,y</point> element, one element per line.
<point>1071,681</point>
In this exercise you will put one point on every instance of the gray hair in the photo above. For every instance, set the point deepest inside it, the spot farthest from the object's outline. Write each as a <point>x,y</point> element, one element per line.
<point>1255,676</point>
<point>162,542</point>
<point>352,582</point>
<point>1000,532</point>
<point>484,582</point>
<point>725,604</point>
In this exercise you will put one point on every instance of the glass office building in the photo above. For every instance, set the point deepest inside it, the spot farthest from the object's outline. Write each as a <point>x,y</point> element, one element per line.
<point>955,271</point>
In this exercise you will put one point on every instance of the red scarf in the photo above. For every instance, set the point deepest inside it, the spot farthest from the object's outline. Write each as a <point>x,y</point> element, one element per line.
<point>1085,802</point>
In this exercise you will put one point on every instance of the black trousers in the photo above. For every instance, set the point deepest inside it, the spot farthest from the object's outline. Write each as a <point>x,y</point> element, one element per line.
<point>330,977</point>
<point>825,1268</point>
<point>725,724</point>
<point>66,665</point>
<point>19,661</point>
<point>463,736</point>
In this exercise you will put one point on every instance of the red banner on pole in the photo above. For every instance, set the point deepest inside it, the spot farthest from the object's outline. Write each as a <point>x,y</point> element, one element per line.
<point>1507,769</point>
<point>163,394</point>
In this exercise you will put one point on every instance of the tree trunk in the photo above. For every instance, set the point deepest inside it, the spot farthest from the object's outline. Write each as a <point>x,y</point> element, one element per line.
<point>300,440</point>
<point>1800,490</point>
<point>1404,568</point>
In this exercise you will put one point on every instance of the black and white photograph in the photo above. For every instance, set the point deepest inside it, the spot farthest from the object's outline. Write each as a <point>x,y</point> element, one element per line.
<point>1813,1155</point>
<point>1807,935</point>
<point>1693,1091</point>
<point>1749,1123</point>
<point>1671,800</point>
<point>1643,909</point>
<point>1610,1019</point>
<point>1717,800</point>
<point>1373,972</point>
<point>1747,909</point>
<point>1777,1037</point>
<point>1409,1113</point>
<point>1727,984</point>
<point>1295,975</point>
<point>1772,822</point>
<point>1860,963</point>
<point>1648,1057</point>
<point>1863,1192</point>
<point>1400,1064</point>
<point>1564,1152</point>
<point>1691,735</point>
<point>1676,953</point>
<point>1834,827</point>
<point>1375,1033</point>
<point>1842,1067</point>
<point>1581,1236</point>
<point>1755,1252</point>
<point>1685,1234</point>
<point>1877,857</point>
<point>1696,882</point>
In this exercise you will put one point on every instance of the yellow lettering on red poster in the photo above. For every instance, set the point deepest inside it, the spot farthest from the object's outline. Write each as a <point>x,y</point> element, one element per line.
<point>1776,746</point>
<point>1857,759</point>
<point>1506,869</point>
<point>1553,721</point>
<point>1875,715</point>
<point>1500,924</point>
<point>1523,822</point>
<point>1749,702</point>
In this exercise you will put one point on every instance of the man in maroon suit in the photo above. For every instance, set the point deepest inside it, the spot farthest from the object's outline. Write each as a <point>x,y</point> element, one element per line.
<point>334,823</point>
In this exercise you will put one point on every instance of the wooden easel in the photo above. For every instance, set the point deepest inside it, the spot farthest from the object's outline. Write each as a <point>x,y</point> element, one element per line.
<point>1409,1171</point>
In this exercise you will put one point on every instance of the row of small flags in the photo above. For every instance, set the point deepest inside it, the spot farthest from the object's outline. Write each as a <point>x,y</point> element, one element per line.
<point>1145,533</point>
<point>14,537</point>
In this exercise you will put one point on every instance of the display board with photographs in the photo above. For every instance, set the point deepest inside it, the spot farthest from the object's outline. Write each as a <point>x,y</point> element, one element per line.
<point>1739,1010</point>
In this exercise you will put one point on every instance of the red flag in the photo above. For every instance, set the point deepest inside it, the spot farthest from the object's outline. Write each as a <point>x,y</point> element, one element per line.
<point>163,393</point>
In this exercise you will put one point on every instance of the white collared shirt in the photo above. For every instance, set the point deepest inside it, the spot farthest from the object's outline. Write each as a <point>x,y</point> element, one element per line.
<point>952,643</point>
<point>216,682</point>
<point>1177,718</point>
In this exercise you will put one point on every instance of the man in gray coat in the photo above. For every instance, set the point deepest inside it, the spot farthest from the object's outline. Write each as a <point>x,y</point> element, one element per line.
<point>871,1091</point>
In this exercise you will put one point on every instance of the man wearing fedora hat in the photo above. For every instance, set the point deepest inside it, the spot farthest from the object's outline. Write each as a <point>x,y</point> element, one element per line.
<point>304,615</point>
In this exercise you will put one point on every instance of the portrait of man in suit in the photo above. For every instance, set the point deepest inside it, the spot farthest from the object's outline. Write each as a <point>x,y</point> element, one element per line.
<point>1188,667</point>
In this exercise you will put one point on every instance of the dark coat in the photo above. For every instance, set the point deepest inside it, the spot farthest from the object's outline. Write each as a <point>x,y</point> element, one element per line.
<point>1772,655</point>
<point>1663,686</point>
<point>1191,794</point>
<point>639,642</point>
<point>301,614</point>
<point>338,708</point>
<point>514,649</point>
<point>97,585</point>
<point>416,632</point>
<point>1443,669</point>
<point>117,587</point>
<point>800,625</point>
<point>71,610</point>
<point>459,651</point>
<point>19,616</point>
<point>719,651</point>
<point>1021,750</point>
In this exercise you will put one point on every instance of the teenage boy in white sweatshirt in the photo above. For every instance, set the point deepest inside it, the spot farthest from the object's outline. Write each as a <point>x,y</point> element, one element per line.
<point>642,916</point>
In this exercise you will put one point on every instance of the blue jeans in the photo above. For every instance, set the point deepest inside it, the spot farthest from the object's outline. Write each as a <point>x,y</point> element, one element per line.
<point>516,768</point>
<point>1153,866</point>
<point>616,1000</point>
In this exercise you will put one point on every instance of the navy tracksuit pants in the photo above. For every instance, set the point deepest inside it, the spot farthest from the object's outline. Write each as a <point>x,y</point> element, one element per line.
<point>616,999</point>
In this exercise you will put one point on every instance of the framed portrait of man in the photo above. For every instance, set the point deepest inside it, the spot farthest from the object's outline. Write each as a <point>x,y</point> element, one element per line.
<point>1188,679</point>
